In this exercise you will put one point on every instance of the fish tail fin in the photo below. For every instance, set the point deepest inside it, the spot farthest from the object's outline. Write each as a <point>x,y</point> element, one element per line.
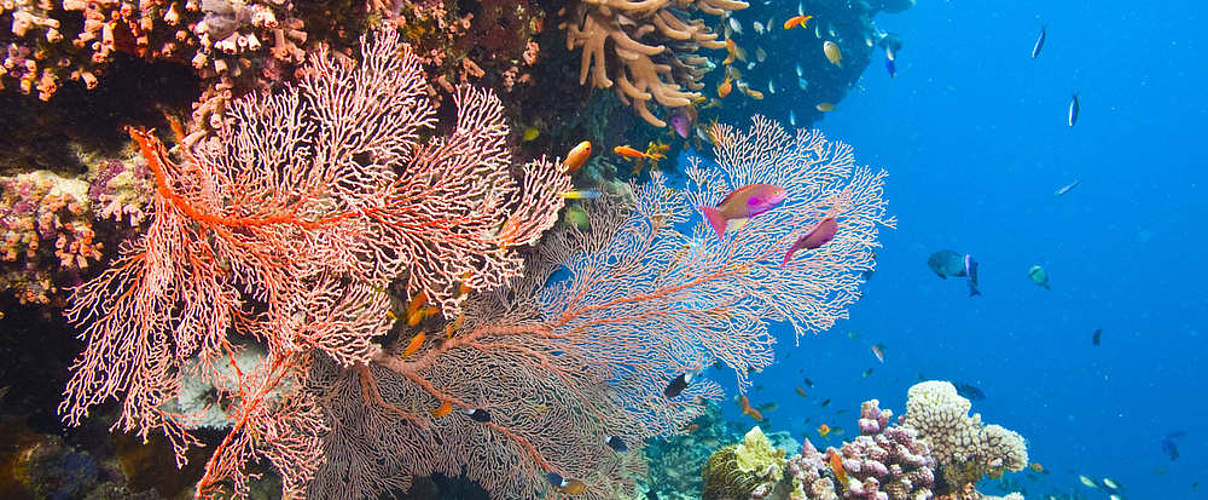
<point>788,255</point>
<point>973,292</point>
<point>715,218</point>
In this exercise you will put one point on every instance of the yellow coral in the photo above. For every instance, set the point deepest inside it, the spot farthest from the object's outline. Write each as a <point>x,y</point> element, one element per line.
<point>738,471</point>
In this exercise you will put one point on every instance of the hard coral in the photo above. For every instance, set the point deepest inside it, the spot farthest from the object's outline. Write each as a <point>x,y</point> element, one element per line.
<point>648,48</point>
<point>43,218</point>
<point>57,40</point>
<point>750,469</point>
<point>964,449</point>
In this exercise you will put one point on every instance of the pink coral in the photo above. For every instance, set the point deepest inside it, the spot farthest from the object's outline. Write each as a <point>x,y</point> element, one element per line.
<point>562,366</point>
<point>285,228</point>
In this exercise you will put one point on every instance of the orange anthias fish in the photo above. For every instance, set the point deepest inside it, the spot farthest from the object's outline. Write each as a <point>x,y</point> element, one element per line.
<point>445,409</point>
<point>823,430</point>
<point>836,464</point>
<point>577,157</point>
<point>724,88</point>
<point>629,152</point>
<point>414,345</point>
<point>754,94</point>
<point>796,21</point>
<point>748,411</point>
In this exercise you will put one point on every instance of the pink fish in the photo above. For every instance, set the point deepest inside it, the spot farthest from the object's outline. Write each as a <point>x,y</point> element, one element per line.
<point>818,236</point>
<point>744,203</point>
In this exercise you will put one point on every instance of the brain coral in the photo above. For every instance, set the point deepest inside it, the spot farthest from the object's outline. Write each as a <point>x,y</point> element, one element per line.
<point>964,448</point>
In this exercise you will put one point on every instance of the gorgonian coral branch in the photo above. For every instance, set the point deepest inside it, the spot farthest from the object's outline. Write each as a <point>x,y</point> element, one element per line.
<point>563,366</point>
<point>284,229</point>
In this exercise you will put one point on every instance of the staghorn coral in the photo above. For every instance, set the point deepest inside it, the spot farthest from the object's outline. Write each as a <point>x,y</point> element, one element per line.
<point>964,449</point>
<point>647,48</point>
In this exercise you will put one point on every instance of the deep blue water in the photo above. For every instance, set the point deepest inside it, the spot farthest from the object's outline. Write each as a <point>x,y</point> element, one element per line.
<point>973,132</point>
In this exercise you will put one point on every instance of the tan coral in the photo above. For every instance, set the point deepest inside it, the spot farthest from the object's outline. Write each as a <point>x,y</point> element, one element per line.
<point>653,49</point>
<point>961,444</point>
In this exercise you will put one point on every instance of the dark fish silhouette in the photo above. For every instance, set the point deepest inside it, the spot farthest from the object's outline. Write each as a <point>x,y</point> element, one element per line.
<point>1073,117</point>
<point>479,415</point>
<point>1095,337</point>
<point>891,67</point>
<point>1039,42</point>
<point>969,391</point>
<point>616,443</point>
<point>677,385</point>
<point>1168,446</point>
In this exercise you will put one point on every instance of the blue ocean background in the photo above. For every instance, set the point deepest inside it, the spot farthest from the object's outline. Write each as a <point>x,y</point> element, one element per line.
<point>973,132</point>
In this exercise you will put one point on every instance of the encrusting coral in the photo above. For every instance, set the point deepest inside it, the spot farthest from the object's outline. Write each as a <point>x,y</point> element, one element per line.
<point>653,48</point>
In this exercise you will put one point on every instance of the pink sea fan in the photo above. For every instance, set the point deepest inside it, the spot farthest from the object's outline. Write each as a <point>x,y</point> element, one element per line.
<point>562,366</point>
<point>284,229</point>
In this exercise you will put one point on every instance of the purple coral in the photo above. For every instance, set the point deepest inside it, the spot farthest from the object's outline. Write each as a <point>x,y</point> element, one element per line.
<point>884,463</point>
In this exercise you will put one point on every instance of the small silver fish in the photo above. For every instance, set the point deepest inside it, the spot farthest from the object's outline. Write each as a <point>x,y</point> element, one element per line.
<point>1039,42</point>
<point>792,118</point>
<point>803,84</point>
<point>758,27</point>
<point>1067,188</point>
<point>800,72</point>
<point>771,87</point>
<point>735,25</point>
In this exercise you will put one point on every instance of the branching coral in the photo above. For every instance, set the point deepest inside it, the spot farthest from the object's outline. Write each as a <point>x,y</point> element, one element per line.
<point>561,366</point>
<point>964,449</point>
<point>286,228</point>
<point>647,47</point>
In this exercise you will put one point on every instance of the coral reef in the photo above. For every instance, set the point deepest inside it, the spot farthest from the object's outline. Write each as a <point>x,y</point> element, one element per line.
<point>964,449</point>
<point>47,231</point>
<point>52,41</point>
<point>750,469</point>
<point>885,462</point>
<point>648,49</point>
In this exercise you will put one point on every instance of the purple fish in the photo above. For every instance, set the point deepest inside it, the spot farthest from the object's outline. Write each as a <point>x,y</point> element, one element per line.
<point>745,202</point>
<point>681,122</point>
<point>818,236</point>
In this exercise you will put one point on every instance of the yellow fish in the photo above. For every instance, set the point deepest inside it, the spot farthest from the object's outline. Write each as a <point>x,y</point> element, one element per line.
<point>831,49</point>
<point>531,133</point>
